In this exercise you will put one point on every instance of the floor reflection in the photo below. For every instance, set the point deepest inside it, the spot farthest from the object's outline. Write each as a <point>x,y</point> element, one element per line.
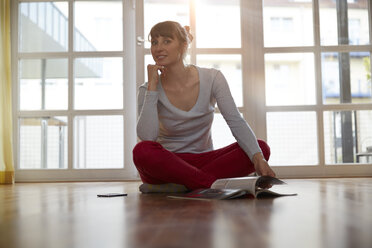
<point>325,213</point>
<point>158,221</point>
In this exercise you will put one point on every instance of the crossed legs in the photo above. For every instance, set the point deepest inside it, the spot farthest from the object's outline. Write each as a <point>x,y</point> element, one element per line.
<point>156,165</point>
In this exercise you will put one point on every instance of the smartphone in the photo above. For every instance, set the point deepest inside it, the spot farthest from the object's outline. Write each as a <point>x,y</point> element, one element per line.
<point>112,194</point>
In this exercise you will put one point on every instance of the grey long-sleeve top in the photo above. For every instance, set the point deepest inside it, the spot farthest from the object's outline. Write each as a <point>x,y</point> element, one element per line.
<point>190,131</point>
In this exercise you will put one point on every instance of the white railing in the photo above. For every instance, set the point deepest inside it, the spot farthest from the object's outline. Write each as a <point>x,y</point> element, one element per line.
<point>53,22</point>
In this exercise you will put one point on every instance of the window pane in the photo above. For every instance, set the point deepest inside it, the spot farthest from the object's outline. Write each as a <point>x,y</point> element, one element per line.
<point>43,143</point>
<point>346,78</point>
<point>98,26</point>
<point>288,23</point>
<point>230,66</point>
<point>354,30</point>
<point>218,23</point>
<point>348,136</point>
<point>43,84</point>
<point>40,26</point>
<point>98,83</point>
<point>170,10</point>
<point>221,133</point>
<point>98,142</point>
<point>290,79</point>
<point>292,137</point>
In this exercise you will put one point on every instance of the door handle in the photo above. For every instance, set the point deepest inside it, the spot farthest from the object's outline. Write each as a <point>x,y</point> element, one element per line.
<point>140,40</point>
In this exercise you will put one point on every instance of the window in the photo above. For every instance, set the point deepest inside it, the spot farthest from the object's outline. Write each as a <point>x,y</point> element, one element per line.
<point>299,72</point>
<point>281,24</point>
<point>291,83</point>
<point>317,86</point>
<point>216,26</point>
<point>287,23</point>
<point>73,118</point>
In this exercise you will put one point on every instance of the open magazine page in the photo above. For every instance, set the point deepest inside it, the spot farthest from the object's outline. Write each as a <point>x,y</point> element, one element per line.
<point>230,188</point>
<point>271,186</point>
<point>246,183</point>
<point>258,185</point>
<point>209,194</point>
<point>274,190</point>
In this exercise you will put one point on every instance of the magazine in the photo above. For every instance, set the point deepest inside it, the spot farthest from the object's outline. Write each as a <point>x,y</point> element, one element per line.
<point>210,194</point>
<point>230,188</point>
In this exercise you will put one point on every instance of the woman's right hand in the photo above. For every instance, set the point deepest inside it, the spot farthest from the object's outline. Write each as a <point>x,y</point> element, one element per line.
<point>261,165</point>
<point>153,76</point>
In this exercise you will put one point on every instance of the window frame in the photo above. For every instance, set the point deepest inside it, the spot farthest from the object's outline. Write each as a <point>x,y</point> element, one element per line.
<point>128,112</point>
<point>320,170</point>
<point>254,108</point>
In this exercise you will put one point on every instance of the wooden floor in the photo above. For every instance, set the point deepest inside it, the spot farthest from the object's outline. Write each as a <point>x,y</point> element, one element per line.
<point>325,213</point>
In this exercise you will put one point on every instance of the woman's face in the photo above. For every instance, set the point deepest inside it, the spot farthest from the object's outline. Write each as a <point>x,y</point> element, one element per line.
<point>166,51</point>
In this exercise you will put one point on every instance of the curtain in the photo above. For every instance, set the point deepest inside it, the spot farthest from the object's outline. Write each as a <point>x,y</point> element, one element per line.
<point>6,151</point>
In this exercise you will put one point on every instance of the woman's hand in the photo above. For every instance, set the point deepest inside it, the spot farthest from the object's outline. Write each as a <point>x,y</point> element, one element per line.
<point>261,165</point>
<point>153,76</point>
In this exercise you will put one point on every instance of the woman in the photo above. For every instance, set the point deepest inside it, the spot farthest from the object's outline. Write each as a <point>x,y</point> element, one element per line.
<point>176,110</point>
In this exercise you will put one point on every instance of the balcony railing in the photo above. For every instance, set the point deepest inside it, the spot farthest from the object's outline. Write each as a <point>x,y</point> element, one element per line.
<point>54,24</point>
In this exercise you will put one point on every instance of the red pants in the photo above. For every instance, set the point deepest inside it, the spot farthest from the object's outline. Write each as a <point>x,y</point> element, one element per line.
<point>156,165</point>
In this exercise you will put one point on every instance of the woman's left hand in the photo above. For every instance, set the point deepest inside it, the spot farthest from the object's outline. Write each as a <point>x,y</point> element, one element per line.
<point>261,165</point>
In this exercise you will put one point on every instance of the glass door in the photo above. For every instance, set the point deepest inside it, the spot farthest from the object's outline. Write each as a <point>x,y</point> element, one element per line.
<point>74,90</point>
<point>299,72</point>
<point>216,28</point>
<point>318,86</point>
